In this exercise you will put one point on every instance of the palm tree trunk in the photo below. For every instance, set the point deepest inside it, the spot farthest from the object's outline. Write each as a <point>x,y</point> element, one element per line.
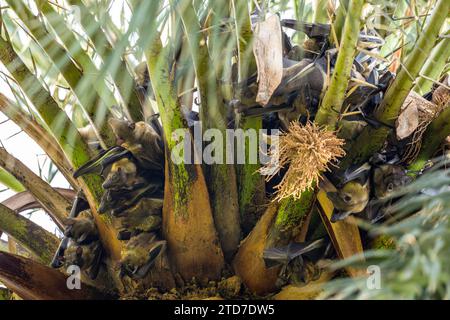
<point>221,177</point>
<point>328,112</point>
<point>188,223</point>
<point>251,186</point>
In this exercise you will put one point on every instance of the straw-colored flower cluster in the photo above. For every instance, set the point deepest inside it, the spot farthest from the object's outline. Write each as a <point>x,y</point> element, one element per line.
<point>308,151</point>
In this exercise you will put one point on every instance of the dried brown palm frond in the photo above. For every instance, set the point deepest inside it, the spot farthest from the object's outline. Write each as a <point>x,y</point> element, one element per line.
<point>308,151</point>
<point>426,112</point>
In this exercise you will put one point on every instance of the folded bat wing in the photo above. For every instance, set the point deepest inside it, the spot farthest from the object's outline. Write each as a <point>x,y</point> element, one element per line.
<point>102,160</point>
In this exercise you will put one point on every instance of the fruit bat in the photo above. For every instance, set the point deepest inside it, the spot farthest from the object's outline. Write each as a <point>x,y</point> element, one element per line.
<point>118,201</point>
<point>81,230</point>
<point>123,175</point>
<point>87,257</point>
<point>387,178</point>
<point>142,140</point>
<point>145,216</point>
<point>352,192</point>
<point>352,197</point>
<point>133,225</point>
<point>79,204</point>
<point>322,31</point>
<point>139,255</point>
<point>312,30</point>
<point>301,86</point>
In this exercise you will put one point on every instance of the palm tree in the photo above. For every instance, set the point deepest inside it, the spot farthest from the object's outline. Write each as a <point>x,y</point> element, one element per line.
<point>71,68</point>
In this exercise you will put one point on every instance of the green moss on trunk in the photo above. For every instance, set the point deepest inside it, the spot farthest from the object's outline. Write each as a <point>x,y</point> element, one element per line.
<point>40,242</point>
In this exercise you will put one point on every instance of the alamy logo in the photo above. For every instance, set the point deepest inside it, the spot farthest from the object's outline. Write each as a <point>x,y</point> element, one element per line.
<point>74,280</point>
<point>232,146</point>
<point>373,281</point>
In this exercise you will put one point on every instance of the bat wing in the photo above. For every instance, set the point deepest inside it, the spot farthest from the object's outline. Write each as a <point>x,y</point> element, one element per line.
<point>259,111</point>
<point>275,256</point>
<point>295,249</point>
<point>149,191</point>
<point>102,160</point>
<point>154,123</point>
<point>154,253</point>
<point>95,267</point>
<point>312,30</point>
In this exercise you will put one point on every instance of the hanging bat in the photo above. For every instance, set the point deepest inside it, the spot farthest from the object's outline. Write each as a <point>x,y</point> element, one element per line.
<point>352,197</point>
<point>151,191</point>
<point>387,178</point>
<point>145,216</point>
<point>140,254</point>
<point>87,257</point>
<point>79,204</point>
<point>141,140</point>
<point>132,225</point>
<point>119,201</point>
<point>81,230</point>
<point>123,175</point>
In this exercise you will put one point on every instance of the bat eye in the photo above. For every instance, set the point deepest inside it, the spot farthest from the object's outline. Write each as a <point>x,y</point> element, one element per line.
<point>390,187</point>
<point>131,125</point>
<point>347,198</point>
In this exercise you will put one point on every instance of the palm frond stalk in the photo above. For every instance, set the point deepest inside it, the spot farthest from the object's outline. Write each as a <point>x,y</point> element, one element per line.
<point>34,281</point>
<point>55,204</point>
<point>34,238</point>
